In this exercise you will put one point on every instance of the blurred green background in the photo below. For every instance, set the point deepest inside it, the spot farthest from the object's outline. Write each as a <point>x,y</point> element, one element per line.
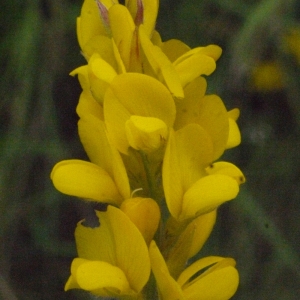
<point>259,72</point>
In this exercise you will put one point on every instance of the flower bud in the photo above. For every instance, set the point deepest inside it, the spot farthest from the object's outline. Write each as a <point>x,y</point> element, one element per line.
<point>144,213</point>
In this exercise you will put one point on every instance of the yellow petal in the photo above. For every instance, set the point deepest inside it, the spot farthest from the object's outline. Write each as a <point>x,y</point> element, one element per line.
<point>212,51</point>
<point>213,118</point>
<point>130,254</point>
<point>167,286</point>
<point>93,136</point>
<point>156,39</point>
<point>194,66</point>
<point>146,133</point>
<point>83,77</point>
<point>188,109</point>
<point>208,111</point>
<point>174,49</point>
<point>90,23</point>
<point>234,114</point>
<point>189,242</point>
<point>149,10</point>
<point>200,264</point>
<point>187,153</point>
<point>160,64</point>
<point>203,227</point>
<point>122,28</point>
<point>95,275</point>
<point>144,213</point>
<point>150,15</point>
<point>207,194</point>
<point>88,105</point>
<point>120,64</point>
<point>85,180</point>
<point>101,69</point>
<point>234,136</point>
<point>228,169</point>
<point>135,94</point>
<point>219,282</point>
<point>101,75</point>
<point>102,45</point>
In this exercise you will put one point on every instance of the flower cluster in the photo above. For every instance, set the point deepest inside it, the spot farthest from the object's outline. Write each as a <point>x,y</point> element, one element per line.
<point>153,138</point>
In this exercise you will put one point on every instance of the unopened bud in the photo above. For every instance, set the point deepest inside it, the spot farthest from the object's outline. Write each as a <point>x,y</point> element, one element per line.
<point>144,213</point>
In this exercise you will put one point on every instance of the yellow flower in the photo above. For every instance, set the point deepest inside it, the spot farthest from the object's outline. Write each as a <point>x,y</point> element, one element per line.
<point>113,258</point>
<point>103,179</point>
<point>189,189</point>
<point>218,278</point>
<point>138,112</point>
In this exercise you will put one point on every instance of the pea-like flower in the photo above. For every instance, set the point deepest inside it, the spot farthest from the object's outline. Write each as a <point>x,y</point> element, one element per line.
<point>138,112</point>
<point>104,179</point>
<point>211,277</point>
<point>189,189</point>
<point>113,258</point>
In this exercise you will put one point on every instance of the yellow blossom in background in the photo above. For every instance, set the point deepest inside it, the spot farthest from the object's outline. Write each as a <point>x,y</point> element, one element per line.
<point>268,77</point>
<point>153,137</point>
<point>291,42</point>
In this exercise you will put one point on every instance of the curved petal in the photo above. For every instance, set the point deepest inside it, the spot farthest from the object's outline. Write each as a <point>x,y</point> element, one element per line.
<point>194,66</point>
<point>90,23</point>
<point>83,77</point>
<point>203,227</point>
<point>188,109</point>
<point>174,49</point>
<point>122,28</point>
<point>200,264</point>
<point>148,12</point>
<point>206,110</point>
<point>214,119</point>
<point>234,113</point>
<point>189,242</point>
<point>207,194</point>
<point>85,180</point>
<point>135,94</point>
<point>234,136</point>
<point>212,51</point>
<point>188,152</point>
<point>226,168</point>
<point>118,242</point>
<point>95,276</point>
<point>101,74</point>
<point>102,45</point>
<point>93,136</point>
<point>219,282</point>
<point>88,105</point>
<point>160,64</point>
<point>168,288</point>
